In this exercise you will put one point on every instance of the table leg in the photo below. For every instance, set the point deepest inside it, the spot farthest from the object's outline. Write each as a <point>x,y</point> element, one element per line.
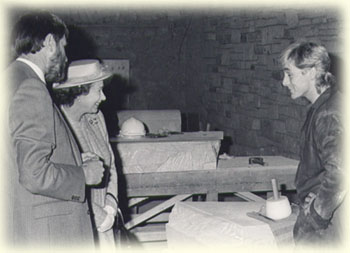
<point>155,210</point>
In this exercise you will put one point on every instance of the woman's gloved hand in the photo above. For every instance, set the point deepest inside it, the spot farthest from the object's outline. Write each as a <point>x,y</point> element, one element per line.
<point>107,224</point>
<point>104,218</point>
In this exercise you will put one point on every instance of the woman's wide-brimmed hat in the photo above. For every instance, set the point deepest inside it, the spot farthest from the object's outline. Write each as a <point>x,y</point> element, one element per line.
<point>83,72</point>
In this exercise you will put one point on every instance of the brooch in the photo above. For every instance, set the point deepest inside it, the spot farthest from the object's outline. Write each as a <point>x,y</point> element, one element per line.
<point>93,121</point>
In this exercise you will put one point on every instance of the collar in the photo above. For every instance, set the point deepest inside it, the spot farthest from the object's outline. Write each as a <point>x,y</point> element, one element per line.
<point>35,68</point>
<point>322,98</point>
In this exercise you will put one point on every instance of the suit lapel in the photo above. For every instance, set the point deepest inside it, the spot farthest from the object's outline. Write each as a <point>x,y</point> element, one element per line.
<point>27,73</point>
<point>73,143</point>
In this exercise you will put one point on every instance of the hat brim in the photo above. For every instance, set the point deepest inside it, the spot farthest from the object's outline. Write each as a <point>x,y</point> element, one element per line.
<point>78,82</point>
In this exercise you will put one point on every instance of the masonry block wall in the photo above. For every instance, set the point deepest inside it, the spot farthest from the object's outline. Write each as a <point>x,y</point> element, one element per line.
<point>243,92</point>
<point>222,66</point>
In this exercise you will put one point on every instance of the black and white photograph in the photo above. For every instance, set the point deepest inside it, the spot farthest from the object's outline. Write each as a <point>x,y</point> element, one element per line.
<point>174,126</point>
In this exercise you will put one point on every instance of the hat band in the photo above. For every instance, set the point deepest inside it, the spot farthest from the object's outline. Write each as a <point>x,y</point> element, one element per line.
<point>83,79</point>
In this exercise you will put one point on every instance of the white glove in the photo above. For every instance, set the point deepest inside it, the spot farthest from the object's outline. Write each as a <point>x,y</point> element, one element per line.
<point>106,224</point>
<point>110,210</point>
<point>109,220</point>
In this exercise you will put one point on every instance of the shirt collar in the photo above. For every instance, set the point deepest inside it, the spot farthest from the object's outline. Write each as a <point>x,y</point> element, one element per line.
<point>35,68</point>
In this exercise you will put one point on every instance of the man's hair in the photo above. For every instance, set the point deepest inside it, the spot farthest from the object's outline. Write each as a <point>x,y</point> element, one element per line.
<point>308,55</point>
<point>31,30</point>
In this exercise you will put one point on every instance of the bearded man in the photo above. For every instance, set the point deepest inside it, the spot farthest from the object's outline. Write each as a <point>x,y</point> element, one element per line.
<point>47,203</point>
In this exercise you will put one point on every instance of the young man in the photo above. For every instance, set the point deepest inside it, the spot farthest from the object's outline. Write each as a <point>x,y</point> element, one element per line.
<point>47,205</point>
<point>320,172</point>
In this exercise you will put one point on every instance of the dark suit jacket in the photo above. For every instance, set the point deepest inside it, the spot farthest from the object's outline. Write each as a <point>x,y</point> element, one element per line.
<point>46,183</point>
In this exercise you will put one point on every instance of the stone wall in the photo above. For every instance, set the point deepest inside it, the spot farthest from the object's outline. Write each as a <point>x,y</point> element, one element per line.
<point>243,92</point>
<point>222,66</point>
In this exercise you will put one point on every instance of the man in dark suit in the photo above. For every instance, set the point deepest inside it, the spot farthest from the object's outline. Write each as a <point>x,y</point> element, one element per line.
<point>47,204</point>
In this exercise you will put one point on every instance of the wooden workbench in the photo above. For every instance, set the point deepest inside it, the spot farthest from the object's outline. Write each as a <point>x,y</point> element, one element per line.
<point>232,175</point>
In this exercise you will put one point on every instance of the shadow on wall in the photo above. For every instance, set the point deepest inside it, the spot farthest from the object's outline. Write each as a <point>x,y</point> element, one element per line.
<point>80,45</point>
<point>226,144</point>
<point>116,89</point>
<point>336,69</point>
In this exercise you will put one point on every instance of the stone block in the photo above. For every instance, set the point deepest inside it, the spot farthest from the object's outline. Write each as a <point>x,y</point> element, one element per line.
<point>241,87</point>
<point>192,151</point>
<point>243,38</point>
<point>258,49</point>
<point>277,75</point>
<point>256,124</point>
<point>306,21</point>
<point>209,225</point>
<point>268,112</point>
<point>254,36</point>
<point>292,144</point>
<point>292,18</point>
<point>210,36</point>
<point>293,126</point>
<point>227,83</point>
<point>272,33</point>
<point>236,36</point>
<point>279,126</point>
<point>291,111</point>
<point>266,127</point>
<point>214,80</point>
<point>225,58</point>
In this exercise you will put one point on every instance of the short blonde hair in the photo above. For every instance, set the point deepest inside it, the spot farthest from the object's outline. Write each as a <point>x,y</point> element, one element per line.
<point>308,55</point>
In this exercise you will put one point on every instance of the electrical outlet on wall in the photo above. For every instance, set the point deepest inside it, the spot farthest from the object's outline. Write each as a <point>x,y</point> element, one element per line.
<point>118,66</point>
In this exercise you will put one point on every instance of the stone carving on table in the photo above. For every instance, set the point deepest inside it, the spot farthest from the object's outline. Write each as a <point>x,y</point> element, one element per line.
<point>212,224</point>
<point>168,156</point>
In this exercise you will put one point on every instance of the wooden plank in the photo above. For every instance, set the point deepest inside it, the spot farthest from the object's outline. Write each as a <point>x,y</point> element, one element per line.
<point>206,181</point>
<point>271,162</point>
<point>151,236</point>
<point>136,201</point>
<point>156,210</point>
<point>162,217</point>
<point>149,233</point>
<point>249,196</point>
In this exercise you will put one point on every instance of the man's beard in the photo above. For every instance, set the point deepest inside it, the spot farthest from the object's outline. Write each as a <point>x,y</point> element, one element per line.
<point>56,71</point>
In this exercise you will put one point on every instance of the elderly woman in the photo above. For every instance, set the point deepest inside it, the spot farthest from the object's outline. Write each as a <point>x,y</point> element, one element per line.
<point>320,174</point>
<point>79,98</point>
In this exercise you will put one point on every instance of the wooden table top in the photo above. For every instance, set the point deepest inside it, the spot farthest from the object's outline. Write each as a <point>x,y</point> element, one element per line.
<point>233,175</point>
